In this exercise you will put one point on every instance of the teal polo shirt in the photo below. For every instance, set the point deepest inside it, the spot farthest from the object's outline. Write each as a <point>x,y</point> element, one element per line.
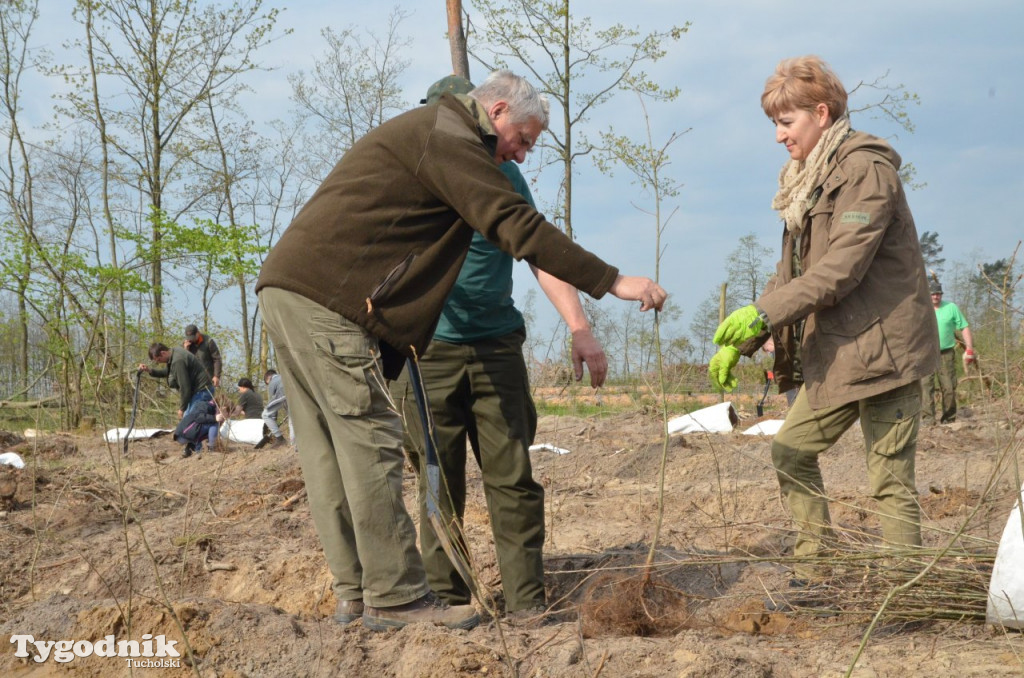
<point>480,305</point>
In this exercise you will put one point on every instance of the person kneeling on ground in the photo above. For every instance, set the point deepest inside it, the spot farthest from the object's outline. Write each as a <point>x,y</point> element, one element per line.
<point>201,423</point>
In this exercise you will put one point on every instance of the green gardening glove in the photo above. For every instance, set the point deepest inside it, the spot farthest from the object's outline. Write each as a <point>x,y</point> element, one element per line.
<point>742,324</point>
<point>720,368</point>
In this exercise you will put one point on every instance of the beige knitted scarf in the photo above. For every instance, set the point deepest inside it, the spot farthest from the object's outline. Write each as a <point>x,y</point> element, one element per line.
<point>799,177</point>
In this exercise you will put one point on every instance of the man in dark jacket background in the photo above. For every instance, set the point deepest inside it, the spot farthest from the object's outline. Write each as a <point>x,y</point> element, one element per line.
<point>205,349</point>
<point>356,283</point>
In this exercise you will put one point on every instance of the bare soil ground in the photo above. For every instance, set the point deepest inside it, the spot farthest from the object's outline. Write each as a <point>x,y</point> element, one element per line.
<point>221,551</point>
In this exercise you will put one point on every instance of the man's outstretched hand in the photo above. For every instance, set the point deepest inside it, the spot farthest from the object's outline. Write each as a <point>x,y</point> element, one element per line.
<point>635,288</point>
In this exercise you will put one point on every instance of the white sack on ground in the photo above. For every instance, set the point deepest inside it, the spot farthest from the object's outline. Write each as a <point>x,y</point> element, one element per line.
<point>548,447</point>
<point>1006,590</point>
<point>768,427</point>
<point>248,431</point>
<point>718,418</point>
<point>11,459</point>
<point>117,434</point>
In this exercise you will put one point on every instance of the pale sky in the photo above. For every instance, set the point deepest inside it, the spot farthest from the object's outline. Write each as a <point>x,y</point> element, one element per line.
<point>964,60</point>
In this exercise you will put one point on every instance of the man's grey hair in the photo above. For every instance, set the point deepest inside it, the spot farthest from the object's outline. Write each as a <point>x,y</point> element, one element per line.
<point>523,99</point>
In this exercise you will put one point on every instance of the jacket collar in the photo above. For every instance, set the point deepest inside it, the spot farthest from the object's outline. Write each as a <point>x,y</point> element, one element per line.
<point>483,121</point>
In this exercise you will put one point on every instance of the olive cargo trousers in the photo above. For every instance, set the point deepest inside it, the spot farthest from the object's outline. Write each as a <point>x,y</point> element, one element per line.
<point>349,441</point>
<point>890,424</point>
<point>946,377</point>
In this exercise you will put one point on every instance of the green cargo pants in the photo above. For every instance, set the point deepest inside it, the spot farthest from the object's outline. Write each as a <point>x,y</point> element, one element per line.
<point>349,441</point>
<point>946,377</point>
<point>890,423</point>
<point>480,392</point>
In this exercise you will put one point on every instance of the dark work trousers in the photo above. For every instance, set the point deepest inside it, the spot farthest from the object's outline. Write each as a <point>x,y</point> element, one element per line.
<point>480,393</point>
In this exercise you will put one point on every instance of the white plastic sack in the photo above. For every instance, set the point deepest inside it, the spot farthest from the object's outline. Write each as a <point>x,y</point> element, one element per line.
<point>248,431</point>
<point>768,427</point>
<point>11,459</point>
<point>117,434</point>
<point>718,418</point>
<point>1006,590</point>
<point>548,447</point>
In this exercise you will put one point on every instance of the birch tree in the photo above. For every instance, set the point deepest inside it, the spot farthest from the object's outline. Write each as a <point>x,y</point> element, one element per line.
<point>17,19</point>
<point>152,64</point>
<point>354,87</point>
<point>580,67</point>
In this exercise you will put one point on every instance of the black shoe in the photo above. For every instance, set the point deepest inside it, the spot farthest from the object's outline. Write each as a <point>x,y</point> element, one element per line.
<point>187,452</point>
<point>802,595</point>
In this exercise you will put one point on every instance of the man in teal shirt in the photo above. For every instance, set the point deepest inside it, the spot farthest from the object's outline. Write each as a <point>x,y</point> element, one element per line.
<point>950,321</point>
<point>478,388</point>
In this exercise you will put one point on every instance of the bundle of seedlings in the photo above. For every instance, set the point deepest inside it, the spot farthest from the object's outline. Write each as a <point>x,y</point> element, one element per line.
<point>954,587</point>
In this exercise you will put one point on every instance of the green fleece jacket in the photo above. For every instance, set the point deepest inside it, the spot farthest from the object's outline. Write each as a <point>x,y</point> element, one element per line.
<point>185,373</point>
<point>382,239</point>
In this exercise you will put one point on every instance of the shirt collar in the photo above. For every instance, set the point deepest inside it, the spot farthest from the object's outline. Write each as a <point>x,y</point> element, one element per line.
<point>478,112</point>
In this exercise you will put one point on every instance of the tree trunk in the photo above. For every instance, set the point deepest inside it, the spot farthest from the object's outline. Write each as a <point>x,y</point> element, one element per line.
<point>457,39</point>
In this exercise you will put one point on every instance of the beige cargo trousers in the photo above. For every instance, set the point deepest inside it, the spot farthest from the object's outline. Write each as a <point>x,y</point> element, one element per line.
<point>349,440</point>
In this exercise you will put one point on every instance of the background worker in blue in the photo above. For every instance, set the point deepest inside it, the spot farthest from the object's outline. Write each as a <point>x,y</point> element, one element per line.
<point>477,384</point>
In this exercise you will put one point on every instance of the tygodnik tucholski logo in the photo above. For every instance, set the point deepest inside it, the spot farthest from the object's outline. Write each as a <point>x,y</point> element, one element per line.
<point>151,652</point>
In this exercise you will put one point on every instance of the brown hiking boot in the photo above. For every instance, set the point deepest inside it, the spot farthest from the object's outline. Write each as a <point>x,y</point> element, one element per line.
<point>348,611</point>
<point>429,609</point>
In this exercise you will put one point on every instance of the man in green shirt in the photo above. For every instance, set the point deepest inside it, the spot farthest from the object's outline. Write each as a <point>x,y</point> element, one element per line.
<point>478,388</point>
<point>950,321</point>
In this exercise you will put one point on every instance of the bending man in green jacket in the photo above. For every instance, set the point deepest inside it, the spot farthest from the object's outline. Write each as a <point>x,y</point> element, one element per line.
<point>183,372</point>
<point>356,285</point>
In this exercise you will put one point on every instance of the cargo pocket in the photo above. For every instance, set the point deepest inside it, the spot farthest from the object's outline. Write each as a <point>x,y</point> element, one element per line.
<point>893,424</point>
<point>345,357</point>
